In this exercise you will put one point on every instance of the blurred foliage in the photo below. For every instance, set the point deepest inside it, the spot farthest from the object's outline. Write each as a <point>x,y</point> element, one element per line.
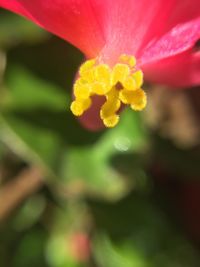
<point>108,197</point>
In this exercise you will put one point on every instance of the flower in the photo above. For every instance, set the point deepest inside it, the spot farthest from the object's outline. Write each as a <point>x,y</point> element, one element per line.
<point>122,40</point>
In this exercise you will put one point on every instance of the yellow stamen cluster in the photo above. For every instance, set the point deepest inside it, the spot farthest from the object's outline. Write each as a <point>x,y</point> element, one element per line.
<point>120,85</point>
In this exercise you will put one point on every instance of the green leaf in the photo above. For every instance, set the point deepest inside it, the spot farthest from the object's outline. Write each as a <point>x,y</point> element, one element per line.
<point>33,144</point>
<point>26,92</point>
<point>30,213</point>
<point>85,170</point>
<point>58,252</point>
<point>26,100</point>
<point>90,167</point>
<point>108,254</point>
<point>128,136</point>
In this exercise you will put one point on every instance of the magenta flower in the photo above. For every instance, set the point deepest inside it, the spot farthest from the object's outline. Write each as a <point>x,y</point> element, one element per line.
<point>122,40</point>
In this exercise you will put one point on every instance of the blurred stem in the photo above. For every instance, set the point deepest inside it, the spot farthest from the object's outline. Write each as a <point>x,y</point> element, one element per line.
<point>14,192</point>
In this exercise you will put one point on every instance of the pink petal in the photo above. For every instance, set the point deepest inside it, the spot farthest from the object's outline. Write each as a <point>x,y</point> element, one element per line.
<point>150,29</point>
<point>179,39</point>
<point>182,70</point>
<point>170,58</point>
<point>128,22</point>
<point>76,21</point>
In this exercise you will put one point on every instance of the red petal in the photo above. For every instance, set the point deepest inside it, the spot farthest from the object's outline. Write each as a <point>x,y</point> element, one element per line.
<point>150,29</point>
<point>76,21</point>
<point>182,70</point>
<point>165,58</point>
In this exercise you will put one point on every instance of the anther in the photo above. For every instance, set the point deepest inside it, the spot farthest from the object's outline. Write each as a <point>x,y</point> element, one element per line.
<point>120,85</point>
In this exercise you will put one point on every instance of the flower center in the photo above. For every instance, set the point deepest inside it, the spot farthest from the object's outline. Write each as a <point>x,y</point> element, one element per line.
<point>120,84</point>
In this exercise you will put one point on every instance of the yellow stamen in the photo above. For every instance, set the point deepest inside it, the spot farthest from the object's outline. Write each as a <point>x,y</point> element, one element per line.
<point>88,65</point>
<point>138,77</point>
<point>81,90</point>
<point>139,100</point>
<point>130,60</point>
<point>130,84</point>
<point>109,108</point>
<point>120,73</point>
<point>120,84</point>
<point>100,88</point>
<point>79,106</point>
<point>102,73</point>
<point>111,121</point>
